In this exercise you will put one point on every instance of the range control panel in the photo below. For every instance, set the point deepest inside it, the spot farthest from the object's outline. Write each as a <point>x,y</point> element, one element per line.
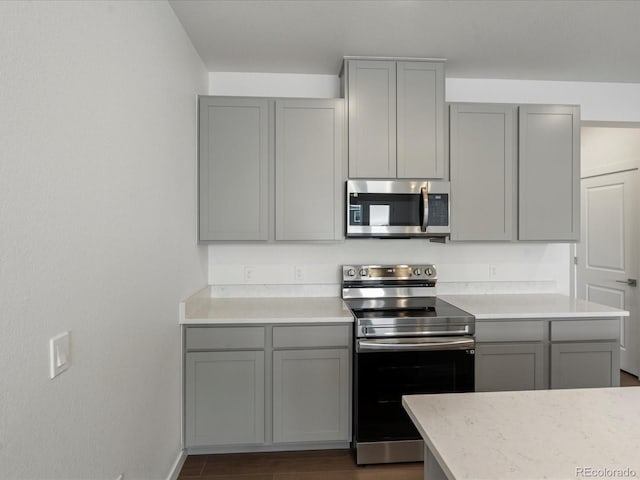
<point>388,272</point>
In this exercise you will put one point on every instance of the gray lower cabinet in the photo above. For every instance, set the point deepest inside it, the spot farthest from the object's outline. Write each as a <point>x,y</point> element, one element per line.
<point>531,354</point>
<point>585,353</point>
<point>510,366</point>
<point>396,117</point>
<point>267,387</point>
<point>585,365</point>
<point>483,171</point>
<point>310,395</point>
<point>549,173</point>
<point>224,398</point>
<point>271,169</point>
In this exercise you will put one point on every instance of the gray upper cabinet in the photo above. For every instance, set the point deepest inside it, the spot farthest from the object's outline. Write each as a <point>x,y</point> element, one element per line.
<point>309,153</point>
<point>233,168</point>
<point>483,171</point>
<point>420,120</point>
<point>266,175</point>
<point>372,118</point>
<point>395,118</point>
<point>549,173</point>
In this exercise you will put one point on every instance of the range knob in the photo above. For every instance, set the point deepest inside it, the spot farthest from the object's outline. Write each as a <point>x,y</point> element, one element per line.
<point>428,271</point>
<point>363,272</point>
<point>417,272</point>
<point>351,272</point>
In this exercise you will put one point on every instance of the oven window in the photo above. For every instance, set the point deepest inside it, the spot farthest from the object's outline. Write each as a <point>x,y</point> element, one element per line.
<point>383,378</point>
<point>393,209</point>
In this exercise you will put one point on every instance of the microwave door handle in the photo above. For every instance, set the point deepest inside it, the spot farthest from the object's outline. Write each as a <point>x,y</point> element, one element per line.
<point>425,209</point>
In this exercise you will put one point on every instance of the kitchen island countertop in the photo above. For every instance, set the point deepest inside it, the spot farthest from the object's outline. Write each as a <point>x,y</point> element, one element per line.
<point>553,434</point>
<point>530,306</point>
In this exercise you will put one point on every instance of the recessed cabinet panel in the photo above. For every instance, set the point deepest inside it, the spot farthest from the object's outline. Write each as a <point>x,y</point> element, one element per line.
<point>224,398</point>
<point>372,119</point>
<point>585,365</point>
<point>309,176</point>
<point>233,168</point>
<point>549,171</point>
<point>483,167</point>
<point>420,120</point>
<point>310,395</point>
<point>510,366</point>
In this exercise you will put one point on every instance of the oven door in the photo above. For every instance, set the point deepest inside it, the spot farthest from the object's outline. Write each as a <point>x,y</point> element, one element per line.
<point>387,369</point>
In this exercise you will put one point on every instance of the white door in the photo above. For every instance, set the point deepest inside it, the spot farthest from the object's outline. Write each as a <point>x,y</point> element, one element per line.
<point>607,253</point>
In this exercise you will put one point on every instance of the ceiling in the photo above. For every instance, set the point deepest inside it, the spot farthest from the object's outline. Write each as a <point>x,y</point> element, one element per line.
<point>528,39</point>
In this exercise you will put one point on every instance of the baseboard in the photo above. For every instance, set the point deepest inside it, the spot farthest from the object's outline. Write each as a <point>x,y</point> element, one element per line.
<point>177,466</point>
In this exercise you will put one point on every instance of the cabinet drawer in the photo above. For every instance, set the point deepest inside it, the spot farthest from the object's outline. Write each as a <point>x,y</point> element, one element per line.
<point>312,336</point>
<point>224,338</point>
<point>516,331</point>
<point>575,330</point>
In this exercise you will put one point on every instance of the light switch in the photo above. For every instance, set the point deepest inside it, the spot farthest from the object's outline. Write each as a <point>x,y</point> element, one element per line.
<point>59,354</point>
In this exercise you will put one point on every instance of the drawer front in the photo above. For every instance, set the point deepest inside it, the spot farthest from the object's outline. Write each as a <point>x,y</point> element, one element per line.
<point>576,330</point>
<point>510,331</point>
<point>312,336</point>
<point>224,338</point>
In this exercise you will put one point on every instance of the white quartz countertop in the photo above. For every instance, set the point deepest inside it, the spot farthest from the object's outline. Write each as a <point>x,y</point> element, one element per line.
<point>200,309</point>
<point>521,306</point>
<point>552,434</point>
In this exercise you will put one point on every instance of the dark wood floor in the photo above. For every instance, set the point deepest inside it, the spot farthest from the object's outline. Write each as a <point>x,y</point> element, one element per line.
<point>310,465</point>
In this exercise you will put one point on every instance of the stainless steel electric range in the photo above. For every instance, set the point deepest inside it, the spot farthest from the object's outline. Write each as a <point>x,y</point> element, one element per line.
<point>407,341</point>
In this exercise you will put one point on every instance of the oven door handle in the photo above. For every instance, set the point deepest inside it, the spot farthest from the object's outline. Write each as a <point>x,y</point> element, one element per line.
<point>426,344</point>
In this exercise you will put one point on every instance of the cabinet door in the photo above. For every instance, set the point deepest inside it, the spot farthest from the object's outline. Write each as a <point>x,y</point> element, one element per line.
<point>585,365</point>
<point>224,398</point>
<point>310,395</point>
<point>372,118</point>
<point>233,168</point>
<point>420,120</point>
<point>510,366</point>
<point>549,173</point>
<point>309,169</point>
<point>483,180</point>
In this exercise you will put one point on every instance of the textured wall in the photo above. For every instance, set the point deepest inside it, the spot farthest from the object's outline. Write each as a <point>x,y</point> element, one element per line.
<point>97,235</point>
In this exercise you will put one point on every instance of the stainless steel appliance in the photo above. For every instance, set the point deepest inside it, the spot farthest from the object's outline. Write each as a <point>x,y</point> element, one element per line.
<point>397,208</point>
<point>407,341</point>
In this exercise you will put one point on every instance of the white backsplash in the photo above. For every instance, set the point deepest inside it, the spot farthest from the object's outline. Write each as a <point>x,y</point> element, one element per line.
<point>282,270</point>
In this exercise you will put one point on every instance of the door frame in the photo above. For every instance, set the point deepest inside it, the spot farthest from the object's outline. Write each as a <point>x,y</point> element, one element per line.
<point>601,170</point>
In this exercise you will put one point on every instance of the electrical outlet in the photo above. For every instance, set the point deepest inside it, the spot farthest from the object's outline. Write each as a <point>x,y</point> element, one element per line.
<point>249,273</point>
<point>299,273</point>
<point>59,354</point>
<point>493,271</point>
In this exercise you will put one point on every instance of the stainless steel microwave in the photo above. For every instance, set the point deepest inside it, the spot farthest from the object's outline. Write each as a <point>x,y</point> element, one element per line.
<point>397,208</point>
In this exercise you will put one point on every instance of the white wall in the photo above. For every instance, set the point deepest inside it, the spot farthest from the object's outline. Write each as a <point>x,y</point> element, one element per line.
<point>462,267</point>
<point>97,235</point>
<point>607,148</point>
